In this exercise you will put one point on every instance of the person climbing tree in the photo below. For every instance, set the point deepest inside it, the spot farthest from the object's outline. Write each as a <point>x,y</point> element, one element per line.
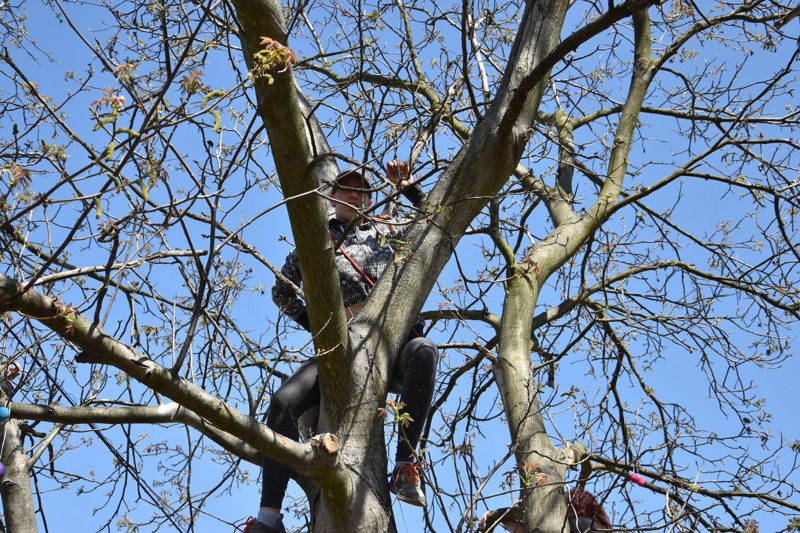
<point>363,252</point>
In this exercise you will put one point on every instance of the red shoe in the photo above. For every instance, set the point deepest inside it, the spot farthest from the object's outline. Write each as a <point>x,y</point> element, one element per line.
<point>405,484</point>
<point>254,526</point>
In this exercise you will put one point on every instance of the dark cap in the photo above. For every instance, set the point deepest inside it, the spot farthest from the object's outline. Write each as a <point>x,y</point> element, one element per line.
<point>352,171</point>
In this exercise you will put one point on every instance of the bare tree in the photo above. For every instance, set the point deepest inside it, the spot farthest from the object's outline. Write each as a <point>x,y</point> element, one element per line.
<point>611,200</point>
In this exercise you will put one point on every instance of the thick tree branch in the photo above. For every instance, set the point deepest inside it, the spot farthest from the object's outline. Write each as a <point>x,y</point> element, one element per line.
<point>99,348</point>
<point>171,413</point>
<point>570,44</point>
<point>302,162</point>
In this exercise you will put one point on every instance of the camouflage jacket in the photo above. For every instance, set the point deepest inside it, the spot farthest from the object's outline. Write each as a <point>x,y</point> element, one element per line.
<point>371,245</point>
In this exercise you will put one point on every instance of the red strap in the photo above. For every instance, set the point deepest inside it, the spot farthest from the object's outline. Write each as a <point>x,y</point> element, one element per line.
<point>363,274</point>
<point>355,265</point>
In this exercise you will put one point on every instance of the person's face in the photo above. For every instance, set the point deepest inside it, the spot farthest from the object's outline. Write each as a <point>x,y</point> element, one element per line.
<point>347,202</point>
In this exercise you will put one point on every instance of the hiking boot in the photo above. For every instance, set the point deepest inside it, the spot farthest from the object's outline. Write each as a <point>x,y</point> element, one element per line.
<point>404,482</point>
<point>254,526</point>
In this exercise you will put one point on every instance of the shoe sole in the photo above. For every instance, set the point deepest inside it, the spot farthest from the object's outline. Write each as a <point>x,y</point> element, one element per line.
<point>409,501</point>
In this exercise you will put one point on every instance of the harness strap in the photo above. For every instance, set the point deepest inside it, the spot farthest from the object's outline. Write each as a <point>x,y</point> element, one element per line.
<point>364,275</point>
<point>353,262</point>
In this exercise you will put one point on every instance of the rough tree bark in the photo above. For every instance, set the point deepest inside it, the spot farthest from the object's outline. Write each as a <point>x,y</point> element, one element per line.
<point>15,487</point>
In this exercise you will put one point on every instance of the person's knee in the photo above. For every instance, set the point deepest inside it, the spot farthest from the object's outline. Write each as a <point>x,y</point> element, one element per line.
<point>428,352</point>
<point>424,355</point>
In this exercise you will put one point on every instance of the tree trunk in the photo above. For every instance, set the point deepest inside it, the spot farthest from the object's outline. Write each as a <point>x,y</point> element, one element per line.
<point>15,487</point>
<point>366,505</point>
<point>540,466</point>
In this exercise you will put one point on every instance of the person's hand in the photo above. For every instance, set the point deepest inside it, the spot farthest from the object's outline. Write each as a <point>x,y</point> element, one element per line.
<point>398,173</point>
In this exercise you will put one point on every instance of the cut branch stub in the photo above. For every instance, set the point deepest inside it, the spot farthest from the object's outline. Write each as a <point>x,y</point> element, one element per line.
<point>328,444</point>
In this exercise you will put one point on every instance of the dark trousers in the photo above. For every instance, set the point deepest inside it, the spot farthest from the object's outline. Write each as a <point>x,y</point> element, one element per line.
<point>414,377</point>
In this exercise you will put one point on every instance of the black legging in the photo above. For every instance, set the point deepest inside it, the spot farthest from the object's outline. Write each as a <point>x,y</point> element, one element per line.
<point>413,377</point>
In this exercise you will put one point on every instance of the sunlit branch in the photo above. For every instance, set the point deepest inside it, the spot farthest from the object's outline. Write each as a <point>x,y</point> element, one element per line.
<point>171,413</point>
<point>99,348</point>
